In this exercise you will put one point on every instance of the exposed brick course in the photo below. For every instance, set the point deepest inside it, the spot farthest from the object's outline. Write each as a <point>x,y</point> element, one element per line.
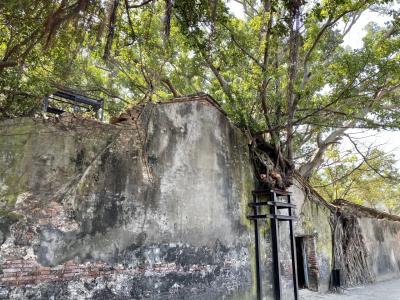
<point>23,272</point>
<point>20,272</point>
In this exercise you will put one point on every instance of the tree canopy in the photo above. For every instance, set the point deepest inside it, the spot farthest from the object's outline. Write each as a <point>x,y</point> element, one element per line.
<point>371,180</point>
<point>280,70</point>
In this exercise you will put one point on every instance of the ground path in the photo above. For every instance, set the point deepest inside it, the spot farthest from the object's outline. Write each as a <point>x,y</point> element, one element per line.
<point>387,290</point>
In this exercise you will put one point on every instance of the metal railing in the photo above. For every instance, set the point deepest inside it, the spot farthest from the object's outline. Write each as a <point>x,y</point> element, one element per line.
<point>67,100</point>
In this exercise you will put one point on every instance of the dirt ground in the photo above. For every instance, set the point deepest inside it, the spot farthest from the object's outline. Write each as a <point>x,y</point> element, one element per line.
<point>387,290</point>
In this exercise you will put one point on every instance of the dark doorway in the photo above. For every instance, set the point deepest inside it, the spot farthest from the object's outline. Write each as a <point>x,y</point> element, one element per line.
<point>301,268</point>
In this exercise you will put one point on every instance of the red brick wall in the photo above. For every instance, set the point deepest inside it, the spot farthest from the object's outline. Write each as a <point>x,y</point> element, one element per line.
<point>15,271</point>
<point>312,263</point>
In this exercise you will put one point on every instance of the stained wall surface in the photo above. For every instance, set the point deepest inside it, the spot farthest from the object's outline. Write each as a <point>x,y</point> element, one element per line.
<point>154,209</point>
<point>313,224</point>
<point>382,241</point>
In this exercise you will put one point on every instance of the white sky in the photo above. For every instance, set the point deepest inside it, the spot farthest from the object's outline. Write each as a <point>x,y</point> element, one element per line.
<point>389,141</point>
<point>354,38</point>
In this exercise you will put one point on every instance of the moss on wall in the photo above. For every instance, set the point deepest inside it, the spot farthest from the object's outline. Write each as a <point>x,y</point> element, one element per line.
<point>314,221</point>
<point>170,208</point>
<point>42,155</point>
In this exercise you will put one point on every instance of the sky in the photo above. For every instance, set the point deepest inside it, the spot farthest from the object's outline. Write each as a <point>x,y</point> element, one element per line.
<point>388,141</point>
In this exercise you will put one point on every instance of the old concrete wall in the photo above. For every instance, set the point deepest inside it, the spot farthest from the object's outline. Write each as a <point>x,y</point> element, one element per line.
<point>313,223</point>
<point>153,208</point>
<point>382,240</point>
<point>156,209</point>
<point>367,244</point>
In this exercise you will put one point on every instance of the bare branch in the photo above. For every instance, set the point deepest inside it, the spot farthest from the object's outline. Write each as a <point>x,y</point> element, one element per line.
<point>367,160</point>
<point>141,4</point>
<point>247,53</point>
<point>248,9</point>
<point>350,25</point>
<point>265,81</point>
<point>308,168</point>
<point>340,178</point>
<point>327,24</point>
<point>395,28</point>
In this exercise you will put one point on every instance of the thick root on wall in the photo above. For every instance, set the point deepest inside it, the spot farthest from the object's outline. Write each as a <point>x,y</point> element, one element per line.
<point>271,168</point>
<point>350,252</point>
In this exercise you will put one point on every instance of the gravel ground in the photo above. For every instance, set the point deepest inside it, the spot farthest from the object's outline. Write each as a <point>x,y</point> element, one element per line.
<point>387,290</point>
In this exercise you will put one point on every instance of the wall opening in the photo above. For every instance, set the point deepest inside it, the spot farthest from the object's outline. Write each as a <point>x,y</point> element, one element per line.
<point>301,263</point>
<point>307,265</point>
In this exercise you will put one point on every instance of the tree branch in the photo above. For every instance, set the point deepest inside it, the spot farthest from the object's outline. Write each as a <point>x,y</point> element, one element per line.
<point>348,27</point>
<point>8,64</point>
<point>308,168</point>
<point>129,19</point>
<point>141,4</point>
<point>367,160</point>
<point>247,53</point>
<point>340,178</point>
<point>294,35</point>
<point>170,86</point>
<point>111,29</point>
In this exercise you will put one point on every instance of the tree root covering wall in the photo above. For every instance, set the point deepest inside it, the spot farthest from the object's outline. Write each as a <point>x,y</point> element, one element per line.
<point>351,255</point>
<point>155,208</point>
<point>367,244</point>
<point>362,243</point>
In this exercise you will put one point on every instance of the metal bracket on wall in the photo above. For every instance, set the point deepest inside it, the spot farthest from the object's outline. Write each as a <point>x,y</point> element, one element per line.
<point>273,205</point>
<point>61,99</point>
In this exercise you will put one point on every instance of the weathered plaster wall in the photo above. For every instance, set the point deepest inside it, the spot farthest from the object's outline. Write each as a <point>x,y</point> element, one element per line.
<point>125,212</point>
<point>382,240</point>
<point>367,244</point>
<point>154,208</point>
<point>313,223</point>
